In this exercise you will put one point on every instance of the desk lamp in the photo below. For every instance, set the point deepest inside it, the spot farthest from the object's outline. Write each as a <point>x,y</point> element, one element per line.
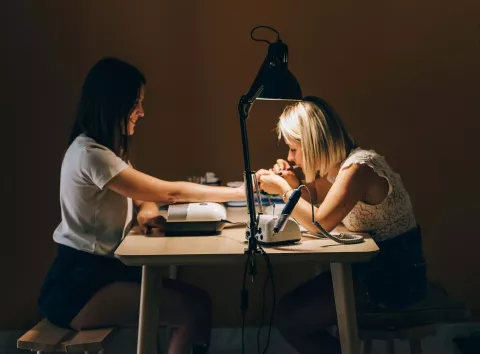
<point>273,82</point>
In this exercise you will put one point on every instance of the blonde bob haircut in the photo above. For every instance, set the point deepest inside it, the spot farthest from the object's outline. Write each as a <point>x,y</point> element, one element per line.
<point>319,130</point>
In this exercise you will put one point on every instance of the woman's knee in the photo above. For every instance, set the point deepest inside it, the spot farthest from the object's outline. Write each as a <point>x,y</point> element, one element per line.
<point>185,304</point>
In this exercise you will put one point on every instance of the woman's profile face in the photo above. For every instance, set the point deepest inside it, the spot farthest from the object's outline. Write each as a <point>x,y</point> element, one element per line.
<point>137,112</point>
<point>295,152</point>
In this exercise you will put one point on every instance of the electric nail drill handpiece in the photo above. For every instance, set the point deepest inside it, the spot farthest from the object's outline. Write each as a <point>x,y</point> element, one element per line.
<point>287,210</point>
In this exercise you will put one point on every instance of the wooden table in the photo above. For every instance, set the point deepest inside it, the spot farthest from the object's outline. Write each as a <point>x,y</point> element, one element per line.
<point>228,248</point>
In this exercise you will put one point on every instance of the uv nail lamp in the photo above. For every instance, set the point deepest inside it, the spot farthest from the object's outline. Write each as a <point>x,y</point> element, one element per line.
<point>195,219</point>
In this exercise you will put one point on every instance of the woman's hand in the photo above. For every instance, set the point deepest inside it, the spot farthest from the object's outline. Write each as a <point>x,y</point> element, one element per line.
<point>283,168</point>
<point>281,165</point>
<point>241,190</point>
<point>149,219</point>
<point>272,183</point>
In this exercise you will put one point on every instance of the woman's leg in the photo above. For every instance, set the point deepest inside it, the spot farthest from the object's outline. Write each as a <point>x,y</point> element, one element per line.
<point>116,304</point>
<point>305,313</point>
<point>183,306</point>
<point>189,310</point>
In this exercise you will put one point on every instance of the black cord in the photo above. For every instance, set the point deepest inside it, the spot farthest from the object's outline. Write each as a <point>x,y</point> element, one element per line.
<point>264,40</point>
<point>343,238</point>
<point>267,278</point>
<point>271,277</point>
<point>244,301</point>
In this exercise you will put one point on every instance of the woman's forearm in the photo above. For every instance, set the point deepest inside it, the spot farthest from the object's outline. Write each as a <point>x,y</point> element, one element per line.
<point>139,186</point>
<point>193,192</point>
<point>302,213</point>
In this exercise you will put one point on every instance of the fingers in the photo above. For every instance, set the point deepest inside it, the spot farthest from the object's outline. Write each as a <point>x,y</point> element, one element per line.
<point>285,174</point>
<point>284,165</point>
<point>157,222</point>
<point>263,172</point>
<point>281,165</point>
<point>146,230</point>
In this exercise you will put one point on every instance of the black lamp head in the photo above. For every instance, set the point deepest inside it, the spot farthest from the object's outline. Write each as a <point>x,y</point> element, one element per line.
<point>278,82</point>
<point>273,81</point>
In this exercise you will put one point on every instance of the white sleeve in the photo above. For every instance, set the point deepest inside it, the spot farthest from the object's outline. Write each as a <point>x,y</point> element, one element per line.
<point>370,158</point>
<point>100,165</point>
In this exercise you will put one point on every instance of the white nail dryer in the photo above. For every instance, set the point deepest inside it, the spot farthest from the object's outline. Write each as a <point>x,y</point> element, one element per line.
<point>195,219</point>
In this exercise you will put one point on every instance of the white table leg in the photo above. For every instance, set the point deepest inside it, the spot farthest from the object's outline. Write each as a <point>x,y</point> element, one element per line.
<point>148,321</point>
<point>345,304</point>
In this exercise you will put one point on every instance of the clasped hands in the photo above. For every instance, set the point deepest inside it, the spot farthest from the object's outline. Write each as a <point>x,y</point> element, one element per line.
<point>277,180</point>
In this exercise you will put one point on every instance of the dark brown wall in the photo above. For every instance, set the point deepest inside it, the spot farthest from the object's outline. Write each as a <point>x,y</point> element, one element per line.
<point>403,74</point>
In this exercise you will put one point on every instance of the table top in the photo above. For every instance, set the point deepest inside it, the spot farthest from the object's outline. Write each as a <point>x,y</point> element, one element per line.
<point>229,248</point>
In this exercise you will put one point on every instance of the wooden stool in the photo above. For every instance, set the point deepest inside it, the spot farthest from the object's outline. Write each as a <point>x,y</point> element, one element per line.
<point>45,337</point>
<point>413,323</point>
<point>48,338</point>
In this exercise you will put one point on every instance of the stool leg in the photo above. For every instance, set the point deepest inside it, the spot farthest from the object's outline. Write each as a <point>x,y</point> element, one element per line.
<point>390,346</point>
<point>367,346</point>
<point>415,346</point>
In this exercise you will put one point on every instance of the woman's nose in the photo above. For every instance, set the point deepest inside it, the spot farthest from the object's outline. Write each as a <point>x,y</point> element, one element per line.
<point>140,110</point>
<point>291,157</point>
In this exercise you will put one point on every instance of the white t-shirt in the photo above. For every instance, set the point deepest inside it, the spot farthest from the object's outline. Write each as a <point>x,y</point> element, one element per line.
<point>94,218</point>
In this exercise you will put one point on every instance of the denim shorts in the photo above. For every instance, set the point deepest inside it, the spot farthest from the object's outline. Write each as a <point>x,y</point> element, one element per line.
<point>74,278</point>
<point>397,276</point>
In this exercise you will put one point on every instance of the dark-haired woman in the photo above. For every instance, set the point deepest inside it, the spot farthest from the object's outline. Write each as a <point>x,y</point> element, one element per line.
<point>86,286</point>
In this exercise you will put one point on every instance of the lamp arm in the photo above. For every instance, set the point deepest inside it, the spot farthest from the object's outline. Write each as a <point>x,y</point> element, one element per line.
<point>276,58</point>
<point>243,109</point>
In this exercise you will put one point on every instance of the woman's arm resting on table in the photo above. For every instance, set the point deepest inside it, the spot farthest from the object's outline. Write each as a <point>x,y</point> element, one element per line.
<point>142,187</point>
<point>350,186</point>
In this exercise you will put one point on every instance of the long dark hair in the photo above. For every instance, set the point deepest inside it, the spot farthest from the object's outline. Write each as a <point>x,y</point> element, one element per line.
<point>109,95</point>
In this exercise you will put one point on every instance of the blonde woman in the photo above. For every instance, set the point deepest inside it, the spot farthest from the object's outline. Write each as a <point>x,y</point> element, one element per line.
<point>357,187</point>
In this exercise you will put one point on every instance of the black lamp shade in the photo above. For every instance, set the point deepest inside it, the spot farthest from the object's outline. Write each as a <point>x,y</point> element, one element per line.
<point>280,84</point>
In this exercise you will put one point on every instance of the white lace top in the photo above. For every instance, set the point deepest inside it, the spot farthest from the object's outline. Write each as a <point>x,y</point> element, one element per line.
<point>394,215</point>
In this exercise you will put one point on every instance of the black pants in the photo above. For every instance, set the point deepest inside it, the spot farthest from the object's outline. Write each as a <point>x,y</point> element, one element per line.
<point>396,277</point>
<point>74,278</point>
